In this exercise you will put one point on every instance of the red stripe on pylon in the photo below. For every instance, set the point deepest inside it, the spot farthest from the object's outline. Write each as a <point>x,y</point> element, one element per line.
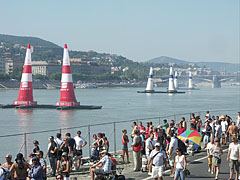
<point>66,69</point>
<point>27,69</point>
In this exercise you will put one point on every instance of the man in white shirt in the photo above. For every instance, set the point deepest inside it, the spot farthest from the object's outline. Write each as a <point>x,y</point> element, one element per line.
<point>224,125</point>
<point>158,160</point>
<point>210,146</point>
<point>218,130</point>
<point>234,157</point>
<point>150,145</point>
<point>172,152</point>
<point>80,143</point>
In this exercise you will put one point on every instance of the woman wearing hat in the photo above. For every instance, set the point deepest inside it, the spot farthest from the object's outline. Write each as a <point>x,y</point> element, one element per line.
<point>63,166</point>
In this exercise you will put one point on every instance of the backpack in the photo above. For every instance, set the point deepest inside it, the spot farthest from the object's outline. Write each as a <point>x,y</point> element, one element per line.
<point>4,174</point>
<point>182,146</point>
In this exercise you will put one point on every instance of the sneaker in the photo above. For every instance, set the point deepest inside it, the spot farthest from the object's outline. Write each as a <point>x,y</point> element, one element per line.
<point>149,174</point>
<point>212,172</point>
<point>209,170</point>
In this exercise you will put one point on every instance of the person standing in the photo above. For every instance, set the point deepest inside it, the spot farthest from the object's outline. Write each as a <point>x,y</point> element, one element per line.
<point>158,161</point>
<point>224,125</point>
<point>238,120</point>
<point>141,127</point>
<point>80,143</point>
<point>59,143</point>
<point>218,130</point>
<point>8,162</point>
<point>72,145</point>
<point>209,148</point>
<point>234,157</point>
<point>63,166</point>
<point>172,152</point>
<point>125,142</point>
<point>232,130</point>
<point>150,145</point>
<point>52,155</point>
<point>43,163</point>
<point>208,131</point>
<point>217,153</point>
<point>134,127</point>
<point>137,148</point>
<point>180,165</point>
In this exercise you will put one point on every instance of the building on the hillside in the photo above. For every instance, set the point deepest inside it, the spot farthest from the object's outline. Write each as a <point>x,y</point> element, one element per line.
<point>2,66</point>
<point>13,65</point>
<point>45,68</point>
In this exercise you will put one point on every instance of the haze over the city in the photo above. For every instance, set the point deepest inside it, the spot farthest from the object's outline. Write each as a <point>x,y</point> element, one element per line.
<point>137,29</point>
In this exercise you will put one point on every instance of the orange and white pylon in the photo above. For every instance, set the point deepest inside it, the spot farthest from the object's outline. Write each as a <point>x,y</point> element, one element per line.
<point>25,96</point>
<point>67,90</point>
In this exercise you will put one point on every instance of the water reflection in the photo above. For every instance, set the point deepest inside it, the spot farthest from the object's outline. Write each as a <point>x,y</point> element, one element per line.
<point>66,118</point>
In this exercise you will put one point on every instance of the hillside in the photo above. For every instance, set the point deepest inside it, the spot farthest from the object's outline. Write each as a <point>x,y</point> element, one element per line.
<point>22,40</point>
<point>216,66</point>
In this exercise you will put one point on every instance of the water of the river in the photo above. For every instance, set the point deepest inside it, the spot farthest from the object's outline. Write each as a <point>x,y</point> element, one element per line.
<point>118,104</point>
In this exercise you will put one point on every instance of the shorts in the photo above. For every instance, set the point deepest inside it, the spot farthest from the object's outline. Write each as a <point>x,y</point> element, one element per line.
<point>216,161</point>
<point>99,171</point>
<point>124,146</point>
<point>233,164</point>
<point>210,161</point>
<point>172,159</point>
<point>157,171</point>
<point>223,134</point>
<point>78,153</point>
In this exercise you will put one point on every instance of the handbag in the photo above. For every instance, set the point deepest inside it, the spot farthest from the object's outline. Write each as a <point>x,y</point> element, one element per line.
<point>187,172</point>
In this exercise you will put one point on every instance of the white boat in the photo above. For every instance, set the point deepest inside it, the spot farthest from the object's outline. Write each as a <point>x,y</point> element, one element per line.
<point>85,85</point>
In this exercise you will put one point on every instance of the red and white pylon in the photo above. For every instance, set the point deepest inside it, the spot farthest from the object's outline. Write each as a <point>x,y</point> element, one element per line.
<point>67,90</point>
<point>25,96</point>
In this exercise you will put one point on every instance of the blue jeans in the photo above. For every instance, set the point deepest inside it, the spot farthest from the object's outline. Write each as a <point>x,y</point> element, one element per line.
<point>179,172</point>
<point>53,164</point>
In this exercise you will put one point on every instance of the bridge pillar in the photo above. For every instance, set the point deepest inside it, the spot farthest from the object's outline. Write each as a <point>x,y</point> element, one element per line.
<point>215,82</point>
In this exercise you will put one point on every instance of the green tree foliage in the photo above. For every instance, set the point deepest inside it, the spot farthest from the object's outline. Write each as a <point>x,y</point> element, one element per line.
<point>55,76</point>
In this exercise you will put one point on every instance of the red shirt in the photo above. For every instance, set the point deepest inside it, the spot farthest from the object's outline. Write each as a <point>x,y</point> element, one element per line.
<point>141,128</point>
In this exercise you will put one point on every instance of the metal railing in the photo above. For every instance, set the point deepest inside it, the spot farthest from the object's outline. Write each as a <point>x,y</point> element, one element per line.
<point>111,129</point>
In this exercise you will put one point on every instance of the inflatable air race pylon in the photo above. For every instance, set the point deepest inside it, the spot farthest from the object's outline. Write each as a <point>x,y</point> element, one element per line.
<point>67,90</point>
<point>149,87</point>
<point>175,80</point>
<point>171,87</point>
<point>190,86</point>
<point>25,96</point>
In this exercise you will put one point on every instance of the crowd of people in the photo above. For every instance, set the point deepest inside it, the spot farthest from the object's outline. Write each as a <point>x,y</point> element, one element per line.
<point>159,145</point>
<point>64,156</point>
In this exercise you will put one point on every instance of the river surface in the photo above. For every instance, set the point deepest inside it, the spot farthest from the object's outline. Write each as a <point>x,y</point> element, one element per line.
<point>119,104</point>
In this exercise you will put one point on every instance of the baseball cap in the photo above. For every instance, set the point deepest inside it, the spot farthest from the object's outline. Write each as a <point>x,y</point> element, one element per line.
<point>157,144</point>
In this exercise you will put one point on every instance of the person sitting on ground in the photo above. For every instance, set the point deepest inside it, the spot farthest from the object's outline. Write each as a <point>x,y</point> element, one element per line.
<point>180,165</point>
<point>36,172</point>
<point>19,167</point>
<point>105,163</point>
<point>125,142</point>
<point>157,160</point>
<point>63,166</point>
<point>234,157</point>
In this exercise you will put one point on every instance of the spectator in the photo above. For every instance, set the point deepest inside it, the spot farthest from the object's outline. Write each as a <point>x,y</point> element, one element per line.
<point>36,148</point>
<point>134,127</point>
<point>218,130</point>
<point>234,157</point>
<point>157,159</point>
<point>224,125</point>
<point>105,163</point>
<point>208,131</point>
<point>80,143</point>
<point>209,148</point>
<point>148,130</point>
<point>181,129</point>
<point>52,154</point>
<point>172,152</point>
<point>141,127</point>
<point>65,148</point>
<point>43,163</point>
<point>184,123</point>
<point>180,165</point>
<point>165,124</point>
<point>137,148</point>
<point>125,141</point>
<point>72,144</point>
<point>36,172</point>
<point>19,167</point>
<point>8,162</point>
<point>63,166</point>
<point>100,142</point>
<point>59,143</point>
<point>217,152</point>
<point>150,145</point>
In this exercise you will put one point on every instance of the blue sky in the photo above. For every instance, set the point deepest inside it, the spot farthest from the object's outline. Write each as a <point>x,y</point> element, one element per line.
<point>203,30</point>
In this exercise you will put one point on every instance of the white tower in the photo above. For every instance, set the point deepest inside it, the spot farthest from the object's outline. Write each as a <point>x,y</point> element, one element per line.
<point>190,86</point>
<point>149,87</point>
<point>175,80</point>
<point>171,87</point>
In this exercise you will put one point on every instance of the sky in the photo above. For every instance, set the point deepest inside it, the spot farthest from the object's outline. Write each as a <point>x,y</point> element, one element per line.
<point>203,30</point>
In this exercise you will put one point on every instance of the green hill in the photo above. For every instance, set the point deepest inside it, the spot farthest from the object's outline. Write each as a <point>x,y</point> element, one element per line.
<point>23,41</point>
